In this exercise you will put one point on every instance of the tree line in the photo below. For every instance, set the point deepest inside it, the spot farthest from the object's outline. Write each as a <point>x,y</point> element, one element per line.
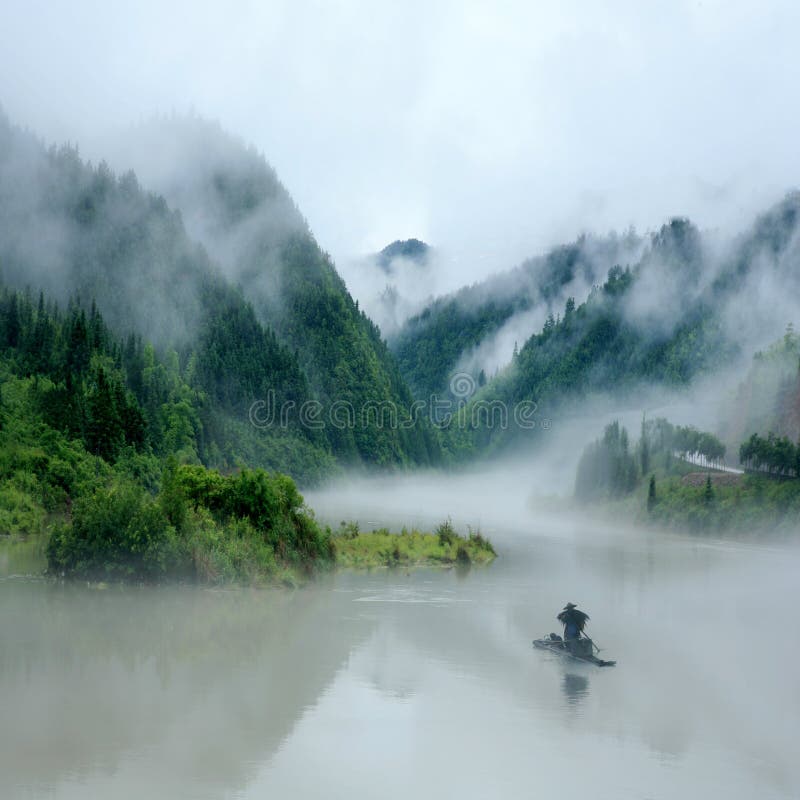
<point>613,467</point>
<point>776,455</point>
<point>684,440</point>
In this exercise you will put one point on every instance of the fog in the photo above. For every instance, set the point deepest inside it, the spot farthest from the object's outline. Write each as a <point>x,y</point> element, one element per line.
<point>491,134</point>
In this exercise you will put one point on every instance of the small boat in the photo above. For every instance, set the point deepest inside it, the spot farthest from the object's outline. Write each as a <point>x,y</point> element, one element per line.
<point>580,649</point>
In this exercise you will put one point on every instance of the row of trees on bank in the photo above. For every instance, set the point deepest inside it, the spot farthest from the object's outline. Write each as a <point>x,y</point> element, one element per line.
<point>612,467</point>
<point>685,441</point>
<point>777,455</point>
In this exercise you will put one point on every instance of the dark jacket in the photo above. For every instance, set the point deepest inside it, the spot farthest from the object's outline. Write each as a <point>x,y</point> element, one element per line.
<point>573,622</point>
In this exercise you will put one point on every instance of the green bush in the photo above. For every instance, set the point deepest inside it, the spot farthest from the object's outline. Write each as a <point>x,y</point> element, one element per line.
<point>20,514</point>
<point>446,533</point>
<point>481,542</point>
<point>270,502</point>
<point>118,531</point>
<point>227,552</point>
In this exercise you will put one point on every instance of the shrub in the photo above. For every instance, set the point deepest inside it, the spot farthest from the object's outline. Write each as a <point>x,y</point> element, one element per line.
<point>228,551</point>
<point>481,542</point>
<point>19,512</point>
<point>446,533</point>
<point>348,530</point>
<point>117,531</point>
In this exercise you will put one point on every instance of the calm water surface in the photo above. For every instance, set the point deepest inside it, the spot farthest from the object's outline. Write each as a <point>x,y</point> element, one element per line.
<point>418,685</point>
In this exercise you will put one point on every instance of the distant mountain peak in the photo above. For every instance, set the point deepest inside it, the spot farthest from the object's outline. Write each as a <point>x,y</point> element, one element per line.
<point>413,250</point>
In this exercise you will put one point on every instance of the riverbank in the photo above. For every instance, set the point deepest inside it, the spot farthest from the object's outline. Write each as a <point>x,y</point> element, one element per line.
<point>212,555</point>
<point>709,501</point>
<point>410,548</point>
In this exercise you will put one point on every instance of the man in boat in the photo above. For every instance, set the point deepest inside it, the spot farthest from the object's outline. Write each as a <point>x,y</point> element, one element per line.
<point>574,621</point>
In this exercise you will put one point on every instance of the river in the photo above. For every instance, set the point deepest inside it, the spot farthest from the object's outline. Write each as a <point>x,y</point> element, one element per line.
<point>422,684</point>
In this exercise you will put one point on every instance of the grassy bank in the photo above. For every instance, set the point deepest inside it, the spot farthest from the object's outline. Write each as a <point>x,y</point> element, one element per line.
<point>732,503</point>
<point>711,501</point>
<point>409,548</point>
<point>650,483</point>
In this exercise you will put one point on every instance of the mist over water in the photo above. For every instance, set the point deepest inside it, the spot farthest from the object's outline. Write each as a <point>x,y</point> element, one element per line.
<point>399,684</point>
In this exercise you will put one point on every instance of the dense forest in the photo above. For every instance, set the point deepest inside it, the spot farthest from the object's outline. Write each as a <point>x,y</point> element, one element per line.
<point>132,358</point>
<point>94,431</point>
<point>768,398</point>
<point>234,205</point>
<point>278,324</point>
<point>590,351</point>
<point>440,339</point>
<point>661,322</point>
<point>102,444</point>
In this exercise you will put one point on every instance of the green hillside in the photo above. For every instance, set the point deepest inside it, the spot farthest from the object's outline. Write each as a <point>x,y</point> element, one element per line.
<point>431,343</point>
<point>271,320</point>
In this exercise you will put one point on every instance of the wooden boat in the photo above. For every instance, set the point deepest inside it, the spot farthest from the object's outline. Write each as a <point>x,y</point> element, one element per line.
<point>579,649</point>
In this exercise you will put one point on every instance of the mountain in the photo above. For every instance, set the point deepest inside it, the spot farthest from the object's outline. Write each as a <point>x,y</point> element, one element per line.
<point>408,250</point>
<point>768,398</point>
<point>475,329</point>
<point>682,310</point>
<point>234,205</point>
<point>254,311</point>
<point>395,282</point>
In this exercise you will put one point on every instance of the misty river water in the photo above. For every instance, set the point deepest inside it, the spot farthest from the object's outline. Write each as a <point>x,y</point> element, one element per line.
<point>423,684</point>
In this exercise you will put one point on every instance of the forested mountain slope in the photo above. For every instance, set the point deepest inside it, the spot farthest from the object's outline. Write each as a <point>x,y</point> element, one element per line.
<point>234,204</point>
<point>475,329</point>
<point>678,313</point>
<point>273,319</point>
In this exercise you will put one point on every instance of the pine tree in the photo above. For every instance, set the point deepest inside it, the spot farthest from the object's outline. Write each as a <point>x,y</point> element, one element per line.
<point>651,494</point>
<point>13,325</point>
<point>104,430</point>
<point>644,449</point>
<point>78,345</point>
<point>708,492</point>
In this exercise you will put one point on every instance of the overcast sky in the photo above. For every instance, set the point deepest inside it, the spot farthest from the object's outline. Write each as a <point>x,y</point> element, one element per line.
<point>492,129</point>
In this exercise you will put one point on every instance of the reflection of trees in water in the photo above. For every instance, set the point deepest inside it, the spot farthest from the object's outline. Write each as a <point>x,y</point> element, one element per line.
<point>22,556</point>
<point>575,687</point>
<point>206,683</point>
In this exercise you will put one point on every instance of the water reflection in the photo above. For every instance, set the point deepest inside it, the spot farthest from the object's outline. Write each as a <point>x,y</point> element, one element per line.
<point>185,692</point>
<point>575,687</point>
<point>21,557</point>
<point>200,686</point>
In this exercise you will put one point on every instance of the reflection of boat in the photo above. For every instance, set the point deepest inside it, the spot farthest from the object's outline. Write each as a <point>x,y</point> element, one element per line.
<point>575,687</point>
<point>580,649</point>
